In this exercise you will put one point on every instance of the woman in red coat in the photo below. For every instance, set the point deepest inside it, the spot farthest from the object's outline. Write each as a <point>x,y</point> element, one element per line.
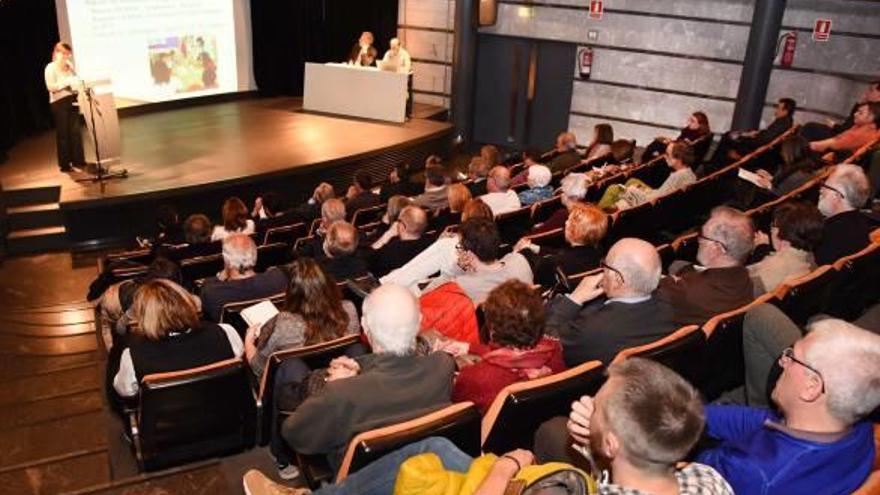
<point>518,349</point>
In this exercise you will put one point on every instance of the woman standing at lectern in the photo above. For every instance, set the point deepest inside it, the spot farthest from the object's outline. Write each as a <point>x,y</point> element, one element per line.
<point>61,82</point>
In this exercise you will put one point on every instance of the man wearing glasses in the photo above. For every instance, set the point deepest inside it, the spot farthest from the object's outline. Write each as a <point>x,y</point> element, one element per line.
<point>820,442</point>
<point>847,230</point>
<point>614,309</point>
<point>720,282</point>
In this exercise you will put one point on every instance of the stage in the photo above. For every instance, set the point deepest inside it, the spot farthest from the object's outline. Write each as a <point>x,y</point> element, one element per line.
<point>196,156</point>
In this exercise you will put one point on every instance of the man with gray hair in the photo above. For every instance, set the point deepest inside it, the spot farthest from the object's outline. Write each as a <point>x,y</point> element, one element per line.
<point>846,228</point>
<point>500,197</point>
<point>238,281</point>
<point>622,311</point>
<point>820,442</point>
<point>388,386</point>
<point>720,282</point>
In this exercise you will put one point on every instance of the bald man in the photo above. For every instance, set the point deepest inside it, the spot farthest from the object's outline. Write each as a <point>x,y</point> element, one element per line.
<point>396,59</point>
<point>500,197</point>
<point>341,258</point>
<point>400,384</point>
<point>614,309</point>
<point>401,242</point>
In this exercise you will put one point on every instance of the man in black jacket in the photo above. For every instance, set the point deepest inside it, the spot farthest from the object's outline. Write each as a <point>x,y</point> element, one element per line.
<point>734,145</point>
<point>847,229</point>
<point>622,311</point>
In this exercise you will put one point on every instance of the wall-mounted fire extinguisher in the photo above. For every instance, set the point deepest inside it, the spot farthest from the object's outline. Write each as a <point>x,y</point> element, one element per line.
<point>788,42</point>
<point>585,62</point>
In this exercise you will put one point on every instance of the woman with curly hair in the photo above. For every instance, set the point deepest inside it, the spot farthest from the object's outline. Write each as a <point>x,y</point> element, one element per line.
<point>517,350</point>
<point>313,312</point>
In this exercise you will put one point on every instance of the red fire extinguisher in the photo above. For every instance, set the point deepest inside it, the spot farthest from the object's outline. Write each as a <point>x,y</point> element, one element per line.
<point>789,43</point>
<point>585,62</point>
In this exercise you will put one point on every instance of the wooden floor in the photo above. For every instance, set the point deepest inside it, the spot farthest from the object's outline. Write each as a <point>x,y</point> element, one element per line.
<point>216,144</point>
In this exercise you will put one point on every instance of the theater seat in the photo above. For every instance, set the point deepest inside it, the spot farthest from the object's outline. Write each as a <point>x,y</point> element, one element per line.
<point>520,408</point>
<point>679,351</point>
<point>193,414</point>
<point>805,296</point>
<point>315,356</point>
<point>368,215</point>
<point>723,363</point>
<point>858,286</point>
<point>543,210</point>
<point>269,255</point>
<point>201,267</point>
<point>513,224</point>
<point>287,234</point>
<point>460,423</point>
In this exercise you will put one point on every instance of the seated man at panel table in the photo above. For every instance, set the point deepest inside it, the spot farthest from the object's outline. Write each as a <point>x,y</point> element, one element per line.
<point>846,228</point>
<point>238,281</point>
<point>500,198</point>
<point>363,53</point>
<point>820,441</point>
<point>720,282</point>
<point>622,310</point>
<point>400,385</point>
<point>340,256</point>
<point>396,59</point>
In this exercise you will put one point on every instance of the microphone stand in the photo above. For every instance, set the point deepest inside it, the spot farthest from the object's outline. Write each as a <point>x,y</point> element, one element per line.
<point>101,175</point>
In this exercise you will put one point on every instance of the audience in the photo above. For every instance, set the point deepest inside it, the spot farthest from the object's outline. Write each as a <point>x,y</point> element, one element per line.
<point>603,136</point>
<point>340,256</point>
<point>538,180</point>
<point>517,349</point>
<point>311,209</point>
<point>440,257</point>
<point>458,196</point>
<point>435,196</point>
<point>565,155</point>
<point>197,230</point>
<point>360,194</point>
<point>696,133</point>
<point>865,128</point>
<point>313,312</point>
<point>500,197</point>
<point>399,183</point>
<point>820,439</point>
<point>401,242</point>
<point>795,232</point>
<point>584,231</point>
<point>847,230</point>
<point>332,211</point>
<point>478,172</point>
<point>721,282</point>
<point>622,310</point>
<point>481,267</point>
<point>574,189</point>
<point>401,385</point>
<point>238,281</point>
<point>642,423</point>
<point>679,157</point>
<point>168,336</point>
<point>815,131</point>
<point>736,144</point>
<point>235,220</point>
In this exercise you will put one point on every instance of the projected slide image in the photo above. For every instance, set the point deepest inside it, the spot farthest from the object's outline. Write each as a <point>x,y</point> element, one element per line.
<point>184,63</point>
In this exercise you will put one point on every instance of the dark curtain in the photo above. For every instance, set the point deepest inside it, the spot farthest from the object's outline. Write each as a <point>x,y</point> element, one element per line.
<point>28,31</point>
<point>287,34</point>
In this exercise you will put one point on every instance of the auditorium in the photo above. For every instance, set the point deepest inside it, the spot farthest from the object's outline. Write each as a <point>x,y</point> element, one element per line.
<point>458,247</point>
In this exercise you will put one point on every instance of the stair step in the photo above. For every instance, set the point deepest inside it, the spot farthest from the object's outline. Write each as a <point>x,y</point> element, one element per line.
<point>35,216</point>
<point>37,240</point>
<point>31,196</point>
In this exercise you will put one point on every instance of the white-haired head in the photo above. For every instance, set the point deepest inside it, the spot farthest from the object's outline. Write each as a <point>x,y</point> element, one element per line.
<point>239,253</point>
<point>848,357</point>
<point>574,187</point>
<point>391,319</point>
<point>539,176</point>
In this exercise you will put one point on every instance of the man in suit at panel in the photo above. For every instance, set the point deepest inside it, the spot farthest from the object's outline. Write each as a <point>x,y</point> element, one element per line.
<point>613,310</point>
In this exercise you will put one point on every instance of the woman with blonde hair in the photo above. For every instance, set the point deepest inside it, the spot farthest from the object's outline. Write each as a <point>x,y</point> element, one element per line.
<point>236,220</point>
<point>458,195</point>
<point>585,230</point>
<point>167,335</point>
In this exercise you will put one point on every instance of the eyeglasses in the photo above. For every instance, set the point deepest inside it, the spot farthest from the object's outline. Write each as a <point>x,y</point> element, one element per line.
<point>837,191</point>
<point>611,268</point>
<point>716,241</point>
<point>788,356</point>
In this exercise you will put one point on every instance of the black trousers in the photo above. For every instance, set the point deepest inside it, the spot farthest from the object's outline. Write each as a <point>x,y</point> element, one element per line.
<point>68,133</point>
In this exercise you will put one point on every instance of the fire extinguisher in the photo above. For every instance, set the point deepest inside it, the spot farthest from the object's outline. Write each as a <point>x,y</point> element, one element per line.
<point>788,41</point>
<point>585,62</point>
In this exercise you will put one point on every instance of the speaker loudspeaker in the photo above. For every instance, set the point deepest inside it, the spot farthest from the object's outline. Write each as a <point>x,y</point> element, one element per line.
<point>488,14</point>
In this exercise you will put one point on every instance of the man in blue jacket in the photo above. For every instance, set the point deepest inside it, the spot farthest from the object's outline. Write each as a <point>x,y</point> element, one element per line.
<point>820,442</point>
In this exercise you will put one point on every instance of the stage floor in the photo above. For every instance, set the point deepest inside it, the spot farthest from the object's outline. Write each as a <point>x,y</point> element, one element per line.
<point>217,144</point>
